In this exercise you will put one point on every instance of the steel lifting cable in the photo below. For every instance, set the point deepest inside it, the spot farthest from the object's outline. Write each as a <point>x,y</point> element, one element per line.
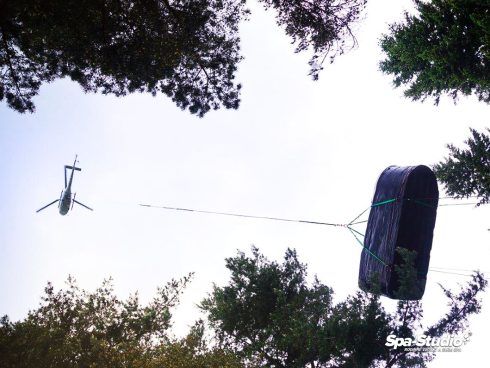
<point>432,269</point>
<point>450,273</point>
<point>354,231</point>
<point>347,226</point>
<point>242,215</point>
<point>353,222</point>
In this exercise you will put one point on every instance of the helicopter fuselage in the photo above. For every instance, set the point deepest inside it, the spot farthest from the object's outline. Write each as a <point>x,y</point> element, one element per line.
<point>65,201</point>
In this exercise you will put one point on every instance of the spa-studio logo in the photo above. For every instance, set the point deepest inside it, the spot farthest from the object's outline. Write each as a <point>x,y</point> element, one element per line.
<point>445,343</point>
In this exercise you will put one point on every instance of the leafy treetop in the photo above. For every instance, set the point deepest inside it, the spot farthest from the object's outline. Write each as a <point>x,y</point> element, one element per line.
<point>466,172</point>
<point>442,49</point>
<point>270,316</point>
<point>325,26</point>
<point>186,49</point>
<point>76,329</point>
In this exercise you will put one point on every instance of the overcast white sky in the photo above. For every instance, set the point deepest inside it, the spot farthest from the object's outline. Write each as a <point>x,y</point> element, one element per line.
<point>294,149</point>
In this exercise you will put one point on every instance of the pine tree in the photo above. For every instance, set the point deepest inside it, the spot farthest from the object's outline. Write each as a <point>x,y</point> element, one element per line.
<point>443,49</point>
<point>325,26</point>
<point>466,172</point>
<point>269,315</point>
<point>186,49</point>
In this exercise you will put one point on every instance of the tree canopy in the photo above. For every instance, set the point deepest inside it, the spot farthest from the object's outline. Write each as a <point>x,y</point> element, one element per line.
<point>325,26</point>
<point>186,49</point>
<point>466,172</point>
<point>444,48</point>
<point>269,315</point>
<point>75,328</point>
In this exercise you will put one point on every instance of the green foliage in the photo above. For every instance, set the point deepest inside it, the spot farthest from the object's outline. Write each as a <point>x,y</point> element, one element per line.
<point>444,48</point>
<point>268,313</point>
<point>193,351</point>
<point>409,285</point>
<point>358,328</point>
<point>268,316</point>
<point>271,317</point>
<point>186,49</point>
<point>74,328</point>
<point>322,25</point>
<point>408,318</point>
<point>466,172</point>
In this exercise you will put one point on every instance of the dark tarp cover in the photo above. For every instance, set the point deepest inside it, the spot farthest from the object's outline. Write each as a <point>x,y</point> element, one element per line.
<point>407,222</point>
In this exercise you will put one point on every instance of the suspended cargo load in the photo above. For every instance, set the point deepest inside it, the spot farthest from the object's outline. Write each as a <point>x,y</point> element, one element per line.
<point>402,216</point>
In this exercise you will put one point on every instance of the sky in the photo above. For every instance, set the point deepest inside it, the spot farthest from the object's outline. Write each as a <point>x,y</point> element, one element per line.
<point>294,149</point>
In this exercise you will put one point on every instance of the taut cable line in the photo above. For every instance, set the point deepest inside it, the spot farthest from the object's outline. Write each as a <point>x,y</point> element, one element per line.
<point>242,215</point>
<point>348,226</point>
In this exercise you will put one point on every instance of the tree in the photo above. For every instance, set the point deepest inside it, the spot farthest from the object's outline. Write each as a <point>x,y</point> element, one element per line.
<point>444,48</point>
<point>74,328</point>
<point>193,351</point>
<point>185,49</point>
<point>466,172</point>
<point>250,314</point>
<point>322,25</point>
<point>269,315</point>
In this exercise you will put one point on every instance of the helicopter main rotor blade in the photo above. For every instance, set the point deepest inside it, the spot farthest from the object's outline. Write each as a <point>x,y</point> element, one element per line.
<point>57,200</point>
<point>81,204</point>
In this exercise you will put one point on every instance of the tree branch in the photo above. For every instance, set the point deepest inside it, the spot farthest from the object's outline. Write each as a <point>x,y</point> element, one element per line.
<point>9,61</point>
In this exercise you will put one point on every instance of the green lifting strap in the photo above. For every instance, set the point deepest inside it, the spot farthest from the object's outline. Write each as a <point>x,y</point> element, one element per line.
<point>367,250</point>
<point>373,205</point>
<point>353,231</point>
<point>387,201</point>
<point>383,202</point>
<point>420,202</point>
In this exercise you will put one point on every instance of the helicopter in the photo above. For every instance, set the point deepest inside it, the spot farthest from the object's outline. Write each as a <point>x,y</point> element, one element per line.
<point>66,201</point>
